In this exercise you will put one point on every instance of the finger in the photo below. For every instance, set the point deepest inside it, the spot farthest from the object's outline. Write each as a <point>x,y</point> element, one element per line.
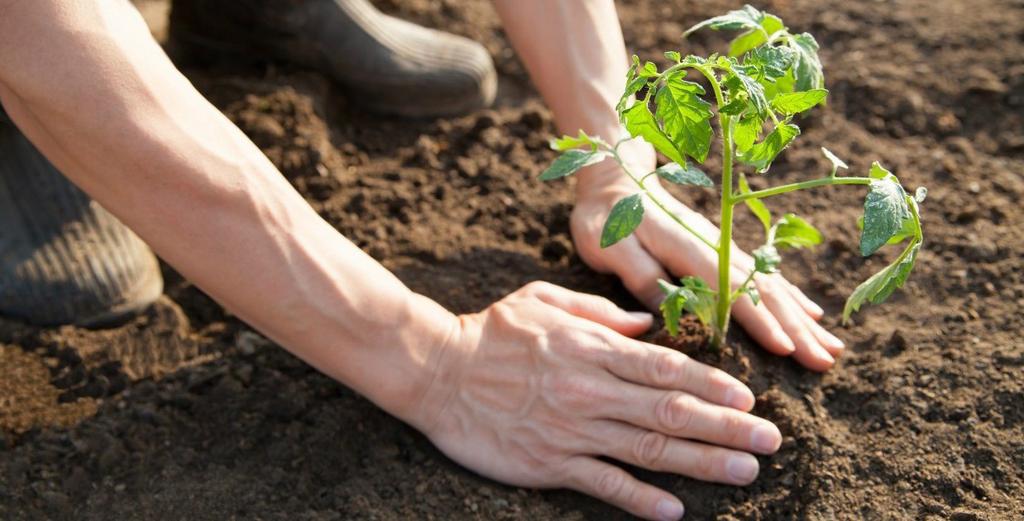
<point>639,271</point>
<point>656,366</point>
<point>593,308</point>
<point>656,451</point>
<point>812,308</point>
<point>615,486</point>
<point>760,324</point>
<point>830,342</point>
<point>682,415</point>
<point>809,352</point>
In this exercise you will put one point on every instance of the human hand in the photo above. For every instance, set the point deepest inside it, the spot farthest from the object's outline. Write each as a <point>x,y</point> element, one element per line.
<point>785,322</point>
<point>535,388</point>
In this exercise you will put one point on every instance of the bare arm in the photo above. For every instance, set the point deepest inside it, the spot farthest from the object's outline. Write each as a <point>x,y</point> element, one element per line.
<point>92,89</point>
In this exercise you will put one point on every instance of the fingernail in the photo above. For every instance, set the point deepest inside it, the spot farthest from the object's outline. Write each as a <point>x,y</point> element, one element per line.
<point>742,468</point>
<point>825,355</point>
<point>640,316</point>
<point>668,510</point>
<point>765,439</point>
<point>739,398</point>
<point>816,309</point>
<point>785,342</point>
<point>835,342</point>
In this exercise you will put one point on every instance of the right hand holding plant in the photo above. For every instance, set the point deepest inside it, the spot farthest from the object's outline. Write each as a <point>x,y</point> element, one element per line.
<point>537,387</point>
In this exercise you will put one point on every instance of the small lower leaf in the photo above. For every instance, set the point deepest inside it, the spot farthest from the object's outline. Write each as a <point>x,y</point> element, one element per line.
<point>683,175</point>
<point>571,161</point>
<point>623,219</point>
<point>766,259</point>
<point>762,154</point>
<point>885,210</point>
<point>882,284</point>
<point>793,232</point>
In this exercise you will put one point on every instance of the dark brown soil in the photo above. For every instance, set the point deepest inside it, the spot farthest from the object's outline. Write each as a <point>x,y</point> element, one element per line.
<point>185,413</point>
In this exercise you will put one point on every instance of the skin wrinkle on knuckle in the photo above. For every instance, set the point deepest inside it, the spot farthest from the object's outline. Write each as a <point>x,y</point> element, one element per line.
<point>674,412</point>
<point>649,449</point>
<point>667,368</point>
<point>706,464</point>
<point>610,482</point>
<point>736,429</point>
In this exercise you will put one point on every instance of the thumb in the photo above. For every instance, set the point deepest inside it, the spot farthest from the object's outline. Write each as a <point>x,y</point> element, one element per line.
<point>596,309</point>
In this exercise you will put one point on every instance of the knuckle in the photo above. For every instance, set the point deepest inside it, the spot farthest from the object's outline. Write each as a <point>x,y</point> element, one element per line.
<point>503,312</point>
<point>649,449</point>
<point>536,287</point>
<point>666,368</point>
<point>706,464</point>
<point>610,483</point>
<point>675,412</point>
<point>735,428</point>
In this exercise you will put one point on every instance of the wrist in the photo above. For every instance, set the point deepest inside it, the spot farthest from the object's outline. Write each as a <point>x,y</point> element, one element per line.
<point>409,381</point>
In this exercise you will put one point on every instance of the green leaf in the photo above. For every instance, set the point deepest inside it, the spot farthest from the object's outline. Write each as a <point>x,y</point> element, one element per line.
<point>734,107</point>
<point>700,300</point>
<point>807,69</point>
<point>648,70</point>
<point>745,132</point>
<point>640,123</point>
<point>756,206</point>
<point>908,228</point>
<point>741,81</point>
<point>683,175</point>
<point>633,85</point>
<point>882,284</point>
<point>770,24</point>
<point>836,162</point>
<point>885,209</point>
<point>672,306</point>
<point>747,17</point>
<point>623,219</point>
<point>694,296</point>
<point>685,116</point>
<point>797,102</point>
<point>762,154</point>
<point>568,142</point>
<point>746,42</point>
<point>766,259</point>
<point>751,290</point>
<point>878,171</point>
<point>571,161</point>
<point>793,232</point>
<point>769,62</point>
<point>674,56</point>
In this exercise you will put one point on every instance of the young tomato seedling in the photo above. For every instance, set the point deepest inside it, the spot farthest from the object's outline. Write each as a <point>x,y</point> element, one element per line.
<point>769,76</point>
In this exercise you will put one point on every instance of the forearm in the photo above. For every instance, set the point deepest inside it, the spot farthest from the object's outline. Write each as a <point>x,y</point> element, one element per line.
<point>576,56</point>
<point>101,100</point>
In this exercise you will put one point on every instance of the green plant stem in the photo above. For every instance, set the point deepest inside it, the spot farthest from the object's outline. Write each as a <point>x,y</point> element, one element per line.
<point>658,203</point>
<point>724,303</point>
<point>813,183</point>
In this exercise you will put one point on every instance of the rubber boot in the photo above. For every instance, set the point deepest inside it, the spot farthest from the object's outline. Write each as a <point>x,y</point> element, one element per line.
<point>388,65</point>
<point>63,258</point>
